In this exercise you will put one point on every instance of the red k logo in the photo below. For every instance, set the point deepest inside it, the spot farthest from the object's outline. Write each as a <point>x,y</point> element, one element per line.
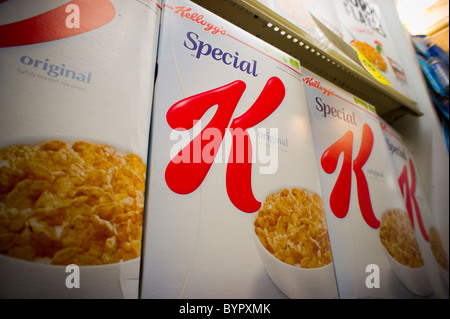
<point>408,188</point>
<point>340,196</point>
<point>51,25</point>
<point>185,176</point>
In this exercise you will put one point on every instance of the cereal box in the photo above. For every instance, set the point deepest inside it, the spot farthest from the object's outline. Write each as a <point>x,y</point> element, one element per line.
<point>364,27</point>
<point>296,12</point>
<point>76,95</point>
<point>375,250</point>
<point>307,15</point>
<point>325,12</point>
<point>234,208</point>
<point>268,3</point>
<point>430,231</point>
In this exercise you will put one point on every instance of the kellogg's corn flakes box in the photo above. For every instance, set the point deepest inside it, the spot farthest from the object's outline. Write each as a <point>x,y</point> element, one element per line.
<point>431,231</point>
<point>363,26</point>
<point>304,15</point>
<point>299,13</point>
<point>234,208</point>
<point>325,12</point>
<point>375,250</point>
<point>267,3</point>
<point>296,12</point>
<point>76,94</point>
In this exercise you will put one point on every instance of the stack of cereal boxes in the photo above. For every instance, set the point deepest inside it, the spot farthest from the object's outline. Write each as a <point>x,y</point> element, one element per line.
<point>230,173</point>
<point>267,181</point>
<point>375,249</point>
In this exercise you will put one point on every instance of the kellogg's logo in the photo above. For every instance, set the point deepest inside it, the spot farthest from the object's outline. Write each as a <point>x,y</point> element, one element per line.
<point>200,19</point>
<point>365,13</point>
<point>316,84</point>
<point>51,25</point>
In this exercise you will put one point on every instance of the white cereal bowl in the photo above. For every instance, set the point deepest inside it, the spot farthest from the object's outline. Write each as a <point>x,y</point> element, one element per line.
<point>33,280</point>
<point>414,279</point>
<point>25,279</point>
<point>296,282</point>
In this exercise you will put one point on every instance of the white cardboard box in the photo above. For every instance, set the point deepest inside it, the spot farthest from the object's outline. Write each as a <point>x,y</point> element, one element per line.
<point>93,83</point>
<point>428,229</point>
<point>363,21</point>
<point>199,243</point>
<point>359,187</point>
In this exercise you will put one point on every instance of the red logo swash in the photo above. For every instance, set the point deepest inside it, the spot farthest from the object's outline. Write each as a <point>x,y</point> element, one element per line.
<point>340,196</point>
<point>184,177</point>
<point>51,25</point>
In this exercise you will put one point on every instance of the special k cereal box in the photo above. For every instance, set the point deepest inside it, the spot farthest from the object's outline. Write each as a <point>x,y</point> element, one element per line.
<point>430,229</point>
<point>76,95</point>
<point>375,250</point>
<point>234,208</point>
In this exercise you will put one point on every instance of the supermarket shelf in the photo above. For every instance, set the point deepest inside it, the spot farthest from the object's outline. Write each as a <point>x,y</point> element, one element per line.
<point>346,72</point>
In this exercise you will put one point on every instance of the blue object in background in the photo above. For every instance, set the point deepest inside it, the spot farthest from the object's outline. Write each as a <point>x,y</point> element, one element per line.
<point>434,62</point>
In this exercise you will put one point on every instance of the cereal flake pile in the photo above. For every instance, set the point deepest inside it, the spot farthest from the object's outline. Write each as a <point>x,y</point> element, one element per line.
<point>437,249</point>
<point>397,236</point>
<point>292,227</point>
<point>81,204</point>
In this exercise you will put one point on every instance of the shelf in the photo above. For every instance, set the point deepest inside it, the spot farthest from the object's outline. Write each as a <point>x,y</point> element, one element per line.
<point>346,72</point>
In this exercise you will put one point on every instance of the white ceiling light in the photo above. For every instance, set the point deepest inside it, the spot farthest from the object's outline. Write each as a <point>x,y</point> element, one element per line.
<point>409,10</point>
<point>419,15</point>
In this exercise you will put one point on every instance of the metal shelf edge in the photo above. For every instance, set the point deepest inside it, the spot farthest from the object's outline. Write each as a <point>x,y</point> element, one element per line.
<point>345,72</point>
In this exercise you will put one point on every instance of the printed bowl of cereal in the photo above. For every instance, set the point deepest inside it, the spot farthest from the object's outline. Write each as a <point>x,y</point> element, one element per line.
<point>439,253</point>
<point>65,203</point>
<point>402,250</point>
<point>371,54</point>
<point>291,236</point>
